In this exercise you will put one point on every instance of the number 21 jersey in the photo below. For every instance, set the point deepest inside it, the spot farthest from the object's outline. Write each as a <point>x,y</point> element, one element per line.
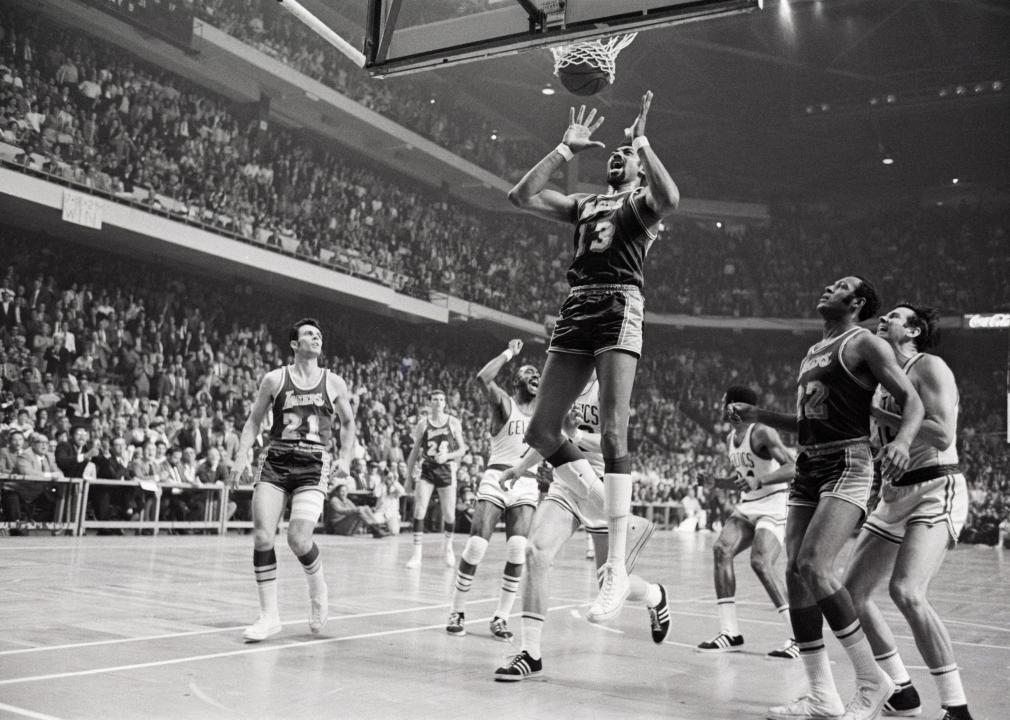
<point>302,415</point>
<point>831,404</point>
<point>611,240</point>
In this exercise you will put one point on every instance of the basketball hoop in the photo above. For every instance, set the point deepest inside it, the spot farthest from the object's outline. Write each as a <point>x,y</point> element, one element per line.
<point>601,54</point>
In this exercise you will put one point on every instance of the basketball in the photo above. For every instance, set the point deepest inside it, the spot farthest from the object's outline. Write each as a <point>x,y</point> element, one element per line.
<point>583,78</point>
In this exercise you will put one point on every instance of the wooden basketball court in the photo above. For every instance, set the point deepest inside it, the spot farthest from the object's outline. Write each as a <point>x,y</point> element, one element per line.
<point>150,627</point>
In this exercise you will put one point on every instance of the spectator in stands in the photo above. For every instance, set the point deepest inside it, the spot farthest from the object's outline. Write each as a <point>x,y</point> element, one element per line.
<point>74,458</point>
<point>343,517</point>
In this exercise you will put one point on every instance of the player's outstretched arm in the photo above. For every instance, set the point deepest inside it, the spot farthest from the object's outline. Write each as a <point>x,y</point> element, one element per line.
<point>879,359</point>
<point>662,196</point>
<point>532,194</point>
<point>268,388</point>
<point>739,413</point>
<point>348,429</point>
<point>499,398</point>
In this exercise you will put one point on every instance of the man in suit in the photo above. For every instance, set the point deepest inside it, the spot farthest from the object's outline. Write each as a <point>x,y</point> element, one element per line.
<point>75,457</point>
<point>10,314</point>
<point>83,404</point>
<point>37,461</point>
<point>113,463</point>
<point>194,436</point>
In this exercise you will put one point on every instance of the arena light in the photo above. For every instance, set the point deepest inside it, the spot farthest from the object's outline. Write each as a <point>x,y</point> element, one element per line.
<point>548,90</point>
<point>955,181</point>
<point>887,160</point>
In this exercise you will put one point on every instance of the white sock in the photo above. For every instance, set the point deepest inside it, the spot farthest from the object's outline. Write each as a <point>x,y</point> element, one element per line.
<point>727,616</point>
<point>418,536</point>
<point>653,595</point>
<point>617,504</point>
<point>857,647</point>
<point>459,593</point>
<point>268,598</point>
<point>948,685</point>
<point>507,596</point>
<point>818,669</point>
<point>532,626</point>
<point>784,614</point>
<point>890,662</point>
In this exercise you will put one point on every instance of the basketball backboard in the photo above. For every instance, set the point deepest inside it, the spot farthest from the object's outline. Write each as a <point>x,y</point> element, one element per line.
<point>403,36</point>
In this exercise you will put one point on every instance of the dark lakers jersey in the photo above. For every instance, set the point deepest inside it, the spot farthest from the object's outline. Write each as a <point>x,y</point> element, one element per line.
<point>436,439</point>
<point>302,415</point>
<point>611,241</point>
<point>831,404</point>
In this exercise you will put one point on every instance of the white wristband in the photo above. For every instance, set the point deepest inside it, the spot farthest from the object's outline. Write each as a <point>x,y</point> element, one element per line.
<point>565,151</point>
<point>508,354</point>
<point>640,142</point>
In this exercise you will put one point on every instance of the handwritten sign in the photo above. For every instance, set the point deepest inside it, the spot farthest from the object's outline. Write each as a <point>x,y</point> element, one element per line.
<point>82,209</point>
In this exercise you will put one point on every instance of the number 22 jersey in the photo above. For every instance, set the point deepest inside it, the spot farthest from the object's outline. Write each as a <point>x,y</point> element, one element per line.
<point>832,405</point>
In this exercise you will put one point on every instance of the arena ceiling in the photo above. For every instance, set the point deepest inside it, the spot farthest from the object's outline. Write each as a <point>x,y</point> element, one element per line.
<point>804,98</point>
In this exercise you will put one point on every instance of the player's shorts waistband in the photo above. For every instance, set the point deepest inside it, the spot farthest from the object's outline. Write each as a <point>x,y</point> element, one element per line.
<point>830,447</point>
<point>303,446</point>
<point>925,474</point>
<point>605,287</point>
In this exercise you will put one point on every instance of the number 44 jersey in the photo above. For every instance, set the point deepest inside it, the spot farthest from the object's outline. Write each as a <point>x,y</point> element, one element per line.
<point>302,415</point>
<point>831,403</point>
<point>611,240</point>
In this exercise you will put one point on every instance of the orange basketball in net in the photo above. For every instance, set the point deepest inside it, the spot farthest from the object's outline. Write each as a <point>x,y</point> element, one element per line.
<point>583,78</point>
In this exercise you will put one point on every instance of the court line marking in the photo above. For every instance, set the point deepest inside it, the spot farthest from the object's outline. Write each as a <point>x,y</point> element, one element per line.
<point>26,713</point>
<point>233,653</point>
<point>900,637</point>
<point>211,631</point>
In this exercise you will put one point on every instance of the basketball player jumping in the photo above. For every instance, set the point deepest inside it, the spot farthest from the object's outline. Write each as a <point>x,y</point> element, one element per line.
<point>763,468</point>
<point>563,510</point>
<point>509,417</point>
<point>828,497</point>
<point>600,324</point>
<point>302,399</point>
<point>439,439</point>
<point>919,516</point>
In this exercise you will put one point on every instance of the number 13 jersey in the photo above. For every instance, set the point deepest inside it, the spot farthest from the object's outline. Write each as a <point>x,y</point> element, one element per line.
<point>611,240</point>
<point>302,415</point>
<point>832,405</point>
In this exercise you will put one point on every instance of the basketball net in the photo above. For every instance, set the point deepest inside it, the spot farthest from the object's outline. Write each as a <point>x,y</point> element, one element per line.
<point>601,53</point>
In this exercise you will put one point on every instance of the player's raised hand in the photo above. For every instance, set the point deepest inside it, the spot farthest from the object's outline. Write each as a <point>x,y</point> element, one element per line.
<point>516,346</point>
<point>637,128</point>
<point>893,459</point>
<point>508,479</point>
<point>580,129</point>
<point>739,412</point>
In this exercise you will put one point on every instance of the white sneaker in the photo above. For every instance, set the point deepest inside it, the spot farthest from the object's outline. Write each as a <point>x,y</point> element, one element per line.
<point>869,700</point>
<point>450,556</point>
<point>808,708</point>
<point>263,628</point>
<point>319,610</point>
<point>614,590</point>
<point>415,561</point>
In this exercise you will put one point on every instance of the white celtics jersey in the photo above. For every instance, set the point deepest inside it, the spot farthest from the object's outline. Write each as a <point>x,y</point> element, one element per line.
<point>748,464</point>
<point>587,419</point>
<point>507,446</point>
<point>920,454</point>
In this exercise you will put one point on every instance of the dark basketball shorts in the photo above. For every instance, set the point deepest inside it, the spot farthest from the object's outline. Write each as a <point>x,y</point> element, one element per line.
<point>439,475</point>
<point>295,467</point>
<point>843,470</point>
<point>598,318</point>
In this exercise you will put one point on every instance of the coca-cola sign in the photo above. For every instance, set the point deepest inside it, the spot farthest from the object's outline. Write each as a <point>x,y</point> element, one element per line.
<point>990,321</point>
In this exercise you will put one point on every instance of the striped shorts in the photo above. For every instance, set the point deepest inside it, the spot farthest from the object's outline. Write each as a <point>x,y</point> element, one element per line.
<point>598,318</point>
<point>940,500</point>
<point>843,470</point>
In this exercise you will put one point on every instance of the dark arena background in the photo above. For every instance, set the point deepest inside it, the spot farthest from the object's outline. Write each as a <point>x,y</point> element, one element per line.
<point>181,180</point>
